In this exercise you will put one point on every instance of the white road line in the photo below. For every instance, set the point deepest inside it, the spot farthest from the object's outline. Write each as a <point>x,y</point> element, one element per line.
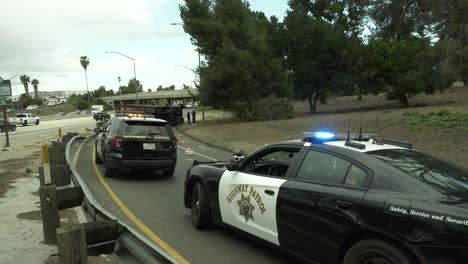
<point>201,155</point>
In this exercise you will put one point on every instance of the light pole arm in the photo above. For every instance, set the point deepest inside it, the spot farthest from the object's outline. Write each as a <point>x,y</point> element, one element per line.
<point>121,55</point>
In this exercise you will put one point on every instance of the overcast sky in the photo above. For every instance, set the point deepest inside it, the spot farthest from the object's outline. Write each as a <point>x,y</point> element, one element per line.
<point>45,38</point>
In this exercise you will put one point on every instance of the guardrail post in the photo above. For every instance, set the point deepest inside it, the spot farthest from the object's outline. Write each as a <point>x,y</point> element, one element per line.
<point>58,164</point>
<point>72,245</point>
<point>49,212</point>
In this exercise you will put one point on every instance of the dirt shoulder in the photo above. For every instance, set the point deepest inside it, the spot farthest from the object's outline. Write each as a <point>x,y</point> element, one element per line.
<point>387,118</point>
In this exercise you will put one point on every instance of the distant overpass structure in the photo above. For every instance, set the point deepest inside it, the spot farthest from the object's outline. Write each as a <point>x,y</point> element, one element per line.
<point>171,97</point>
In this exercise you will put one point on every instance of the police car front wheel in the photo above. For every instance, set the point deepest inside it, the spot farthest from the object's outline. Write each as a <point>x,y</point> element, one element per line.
<point>200,207</point>
<point>375,252</point>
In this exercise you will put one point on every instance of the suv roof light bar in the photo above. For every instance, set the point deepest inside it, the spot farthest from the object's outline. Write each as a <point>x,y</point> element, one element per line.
<point>398,143</point>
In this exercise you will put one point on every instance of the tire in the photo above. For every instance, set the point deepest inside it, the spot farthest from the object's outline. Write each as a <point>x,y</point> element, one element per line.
<point>375,251</point>
<point>201,218</point>
<point>37,122</point>
<point>25,122</point>
<point>13,128</point>
<point>169,172</point>
<point>108,172</point>
<point>97,159</point>
<point>1,129</point>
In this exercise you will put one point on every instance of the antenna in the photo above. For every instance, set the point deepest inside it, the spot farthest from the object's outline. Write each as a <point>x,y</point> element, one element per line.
<point>377,123</point>
<point>347,138</point>
<point>360,128</point>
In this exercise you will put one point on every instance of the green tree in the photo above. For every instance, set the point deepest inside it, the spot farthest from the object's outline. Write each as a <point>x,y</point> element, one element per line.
<point>25,80</point>
<point>160,88</point>
<point>133,85</point>
<point>185,87</point>
<point>149,90</point>
<point>450,22</point>
<point>84,61</point>
<point>35,84</point>
<point>239,64</point>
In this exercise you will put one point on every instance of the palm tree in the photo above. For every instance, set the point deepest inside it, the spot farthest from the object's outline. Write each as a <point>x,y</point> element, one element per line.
<point>35,83</point>
<point>119,79</point>
<point>25,81</point>
<point>84,61</point>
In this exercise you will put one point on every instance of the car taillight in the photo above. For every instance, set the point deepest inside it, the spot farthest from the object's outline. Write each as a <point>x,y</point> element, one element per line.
<point>174,143</point>
<point>118,141</point>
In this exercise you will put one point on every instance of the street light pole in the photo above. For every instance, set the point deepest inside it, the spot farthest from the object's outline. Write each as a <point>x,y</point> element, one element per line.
<point>134,70</point>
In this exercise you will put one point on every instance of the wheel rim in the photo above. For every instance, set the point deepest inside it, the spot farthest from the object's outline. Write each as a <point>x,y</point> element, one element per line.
<point>373,258</point>
<point>196,205</point>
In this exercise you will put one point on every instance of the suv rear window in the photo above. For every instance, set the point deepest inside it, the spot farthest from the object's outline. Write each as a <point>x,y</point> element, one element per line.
<point>440,175</point>
<point>21,115</point>
<point>145,128</point>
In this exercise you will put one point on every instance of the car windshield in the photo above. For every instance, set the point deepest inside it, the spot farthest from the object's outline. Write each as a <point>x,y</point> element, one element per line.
<point>440,175</point>
<point>145,128</point>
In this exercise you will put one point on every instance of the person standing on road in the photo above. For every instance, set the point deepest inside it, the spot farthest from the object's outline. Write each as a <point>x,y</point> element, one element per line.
<point>193,116</point>
<point>188,117</point>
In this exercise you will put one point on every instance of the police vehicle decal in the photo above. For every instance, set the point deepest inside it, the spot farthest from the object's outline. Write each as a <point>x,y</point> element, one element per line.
<point>248,202</point>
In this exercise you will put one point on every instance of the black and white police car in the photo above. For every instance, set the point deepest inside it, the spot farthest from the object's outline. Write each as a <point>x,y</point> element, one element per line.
<point>339,198</point>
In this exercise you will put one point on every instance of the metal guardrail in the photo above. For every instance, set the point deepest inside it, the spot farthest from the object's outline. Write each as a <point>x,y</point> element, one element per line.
<point>132,247</point>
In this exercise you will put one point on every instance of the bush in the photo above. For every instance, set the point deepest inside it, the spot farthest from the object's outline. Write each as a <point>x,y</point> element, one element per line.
<point>79,102</point>
<point>440,119</point>
<point>268,108</point>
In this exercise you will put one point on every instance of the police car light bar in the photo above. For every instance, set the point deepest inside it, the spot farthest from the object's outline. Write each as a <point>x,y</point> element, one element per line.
<point>321,136</point>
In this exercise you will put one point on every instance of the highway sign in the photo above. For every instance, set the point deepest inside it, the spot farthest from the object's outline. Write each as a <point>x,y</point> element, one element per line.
<point>5,88</point>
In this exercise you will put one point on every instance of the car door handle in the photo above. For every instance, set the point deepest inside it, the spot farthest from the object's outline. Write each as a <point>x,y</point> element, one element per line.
<point>343,205</point>
<point>269,192</point>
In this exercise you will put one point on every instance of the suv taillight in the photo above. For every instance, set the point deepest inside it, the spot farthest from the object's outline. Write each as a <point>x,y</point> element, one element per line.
<point>118,141</point>
<point>174,143</point>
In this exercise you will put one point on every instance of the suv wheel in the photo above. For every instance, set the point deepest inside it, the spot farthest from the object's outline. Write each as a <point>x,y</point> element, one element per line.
<point>25,122</point>
<point>375,252</point>
<point>108,172</point>
<point>200,207</point>
<point>13,128</point>
<point>37,122</point>
<point>97,159</point>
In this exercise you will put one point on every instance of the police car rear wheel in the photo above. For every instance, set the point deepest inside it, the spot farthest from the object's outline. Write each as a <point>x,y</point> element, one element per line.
<point>169,172</point>
<point>97,159</point>
<point>200,208</point>
<point>108,172</point>
<point>375,252</point>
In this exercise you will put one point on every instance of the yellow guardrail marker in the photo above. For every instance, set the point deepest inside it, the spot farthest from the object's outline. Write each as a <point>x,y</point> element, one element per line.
<point>60,135</point>
<point>45,164</point>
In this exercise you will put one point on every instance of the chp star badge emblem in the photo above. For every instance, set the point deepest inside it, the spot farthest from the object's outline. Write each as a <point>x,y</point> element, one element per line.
<point>245,207</point>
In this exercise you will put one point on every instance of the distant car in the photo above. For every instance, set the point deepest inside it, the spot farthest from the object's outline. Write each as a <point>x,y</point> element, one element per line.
<point>32,107</point>
<point>339,198</point>
<point>11,126</point>
<point>125,143</point>
<point>25,119</point>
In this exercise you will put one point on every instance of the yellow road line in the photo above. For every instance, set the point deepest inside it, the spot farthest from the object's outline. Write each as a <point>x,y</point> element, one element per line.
<point>156,239</point>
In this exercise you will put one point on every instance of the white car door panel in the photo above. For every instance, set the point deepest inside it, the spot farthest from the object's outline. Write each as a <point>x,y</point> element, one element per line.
<point>248,202</point>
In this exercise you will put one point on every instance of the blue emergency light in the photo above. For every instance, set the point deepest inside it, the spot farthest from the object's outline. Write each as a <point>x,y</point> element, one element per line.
<point>323,135</point>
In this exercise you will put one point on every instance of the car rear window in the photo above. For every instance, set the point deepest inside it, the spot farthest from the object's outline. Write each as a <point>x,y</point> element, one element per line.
<point>145,128</point>
<point>21,115</point>
<point>440,175</point>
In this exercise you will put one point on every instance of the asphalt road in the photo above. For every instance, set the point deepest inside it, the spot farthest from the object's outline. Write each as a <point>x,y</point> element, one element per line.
<point>157,201</point>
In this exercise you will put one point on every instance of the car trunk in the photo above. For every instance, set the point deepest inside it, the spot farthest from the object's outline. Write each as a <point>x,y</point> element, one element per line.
<point>151,140</point>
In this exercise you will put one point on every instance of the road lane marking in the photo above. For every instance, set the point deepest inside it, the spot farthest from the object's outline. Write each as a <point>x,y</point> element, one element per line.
<point>196,153</point>
<point>156,239</point>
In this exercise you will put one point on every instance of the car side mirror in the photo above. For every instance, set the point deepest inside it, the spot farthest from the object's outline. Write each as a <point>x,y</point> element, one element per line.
<point>234,163</point>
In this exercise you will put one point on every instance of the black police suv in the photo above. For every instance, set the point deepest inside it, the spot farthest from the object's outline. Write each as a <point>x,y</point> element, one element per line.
<point>136,143</point>
<point>336,199</point>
